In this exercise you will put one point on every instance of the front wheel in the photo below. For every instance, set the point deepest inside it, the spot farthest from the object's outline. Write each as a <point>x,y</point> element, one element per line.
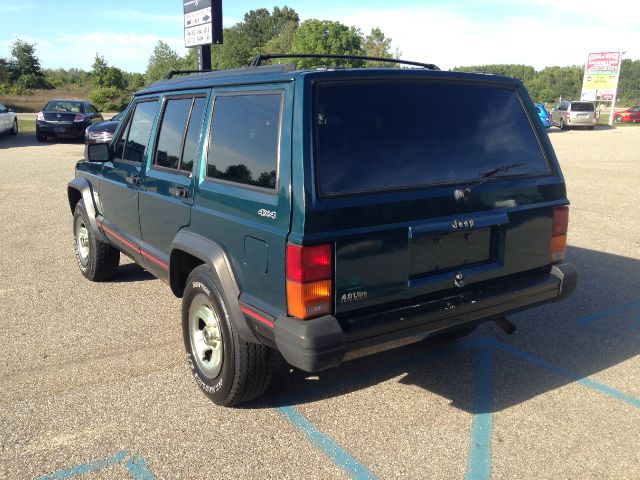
<point>98,261</point>
<point>14,129</point>
<point>227,369</point>
<point>40,136</point>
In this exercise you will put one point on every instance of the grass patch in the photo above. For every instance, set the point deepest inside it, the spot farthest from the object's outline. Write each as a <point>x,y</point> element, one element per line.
<point>26,126</point>
<point>37,99</point>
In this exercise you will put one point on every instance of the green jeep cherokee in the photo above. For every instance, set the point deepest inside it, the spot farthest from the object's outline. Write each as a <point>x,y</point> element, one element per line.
<point>326,213</point>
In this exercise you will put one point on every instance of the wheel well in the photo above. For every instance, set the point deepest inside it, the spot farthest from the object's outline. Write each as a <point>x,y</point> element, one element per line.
<point>74,198</point>
<point>181,265</point>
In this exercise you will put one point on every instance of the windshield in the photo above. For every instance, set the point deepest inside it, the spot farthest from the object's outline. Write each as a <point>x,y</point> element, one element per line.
<point>374,136</point>
<point>582,107</point>
<point>63,106</point>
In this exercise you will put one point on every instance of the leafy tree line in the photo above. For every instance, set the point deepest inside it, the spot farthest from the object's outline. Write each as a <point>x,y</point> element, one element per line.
<point>22,72</point>
<point>551,83</point>
<point>279,31</point>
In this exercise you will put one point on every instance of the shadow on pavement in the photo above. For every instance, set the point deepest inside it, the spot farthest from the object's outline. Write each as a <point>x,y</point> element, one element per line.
<point>28,139</point>
<point>551,333</point>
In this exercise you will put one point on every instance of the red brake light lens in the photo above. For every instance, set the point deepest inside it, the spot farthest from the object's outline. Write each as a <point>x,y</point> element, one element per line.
<point>79,118</point>
<point>308,264</point>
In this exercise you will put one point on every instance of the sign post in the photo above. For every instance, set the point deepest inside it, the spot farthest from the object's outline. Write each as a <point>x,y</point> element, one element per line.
<point>202,27</point>
<point>601,75</point>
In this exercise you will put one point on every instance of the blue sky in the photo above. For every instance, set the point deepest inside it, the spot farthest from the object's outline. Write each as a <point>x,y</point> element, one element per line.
<point>449,33</point>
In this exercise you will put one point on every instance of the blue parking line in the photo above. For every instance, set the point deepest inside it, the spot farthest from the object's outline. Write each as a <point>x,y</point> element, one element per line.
<point>587,382</point>
<point>586,320</point>
<point>138,469</point>
<point>479,459</point>
<point>86,467</point>
<point>337,454</point>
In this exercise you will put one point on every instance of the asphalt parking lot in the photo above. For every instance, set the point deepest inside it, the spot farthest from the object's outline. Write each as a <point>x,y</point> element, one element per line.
<point>94,383</point>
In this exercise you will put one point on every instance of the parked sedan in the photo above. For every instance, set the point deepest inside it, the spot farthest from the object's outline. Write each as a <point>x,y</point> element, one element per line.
<point>8,120</point>
<point>544,115</point>
<point>66,119</point>
<point>630,115</point>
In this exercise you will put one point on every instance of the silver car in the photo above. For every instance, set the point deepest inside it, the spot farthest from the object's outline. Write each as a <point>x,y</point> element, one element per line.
<point>574,114</point>
<point>8,120</point>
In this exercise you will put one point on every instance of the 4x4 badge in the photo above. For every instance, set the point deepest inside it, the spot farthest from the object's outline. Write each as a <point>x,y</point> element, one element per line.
<point>267,213</point>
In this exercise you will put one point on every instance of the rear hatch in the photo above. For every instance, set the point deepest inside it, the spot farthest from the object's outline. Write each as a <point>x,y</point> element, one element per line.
<point>389,155</point>
<point>582,112</point>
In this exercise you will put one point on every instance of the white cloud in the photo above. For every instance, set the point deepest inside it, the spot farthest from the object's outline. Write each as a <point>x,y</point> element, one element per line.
<point>451,37</point>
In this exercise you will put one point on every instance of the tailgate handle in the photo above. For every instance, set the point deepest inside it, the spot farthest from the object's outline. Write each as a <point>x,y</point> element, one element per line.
<point>457,224</point>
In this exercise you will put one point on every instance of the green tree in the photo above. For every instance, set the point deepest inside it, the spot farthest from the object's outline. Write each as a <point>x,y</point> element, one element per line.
<point>629,82</point>
<point>376,44</point>
<point>162,61</point>
<point>327,37</point>
<point>521,72</point>
<point>114,77</point>
<point>235,52</point>
<point>99,70</point>
<point>25,69</point>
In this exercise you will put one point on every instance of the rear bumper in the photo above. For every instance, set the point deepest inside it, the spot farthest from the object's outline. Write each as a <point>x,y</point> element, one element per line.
<point>66,130</point>
<point>325,342</point>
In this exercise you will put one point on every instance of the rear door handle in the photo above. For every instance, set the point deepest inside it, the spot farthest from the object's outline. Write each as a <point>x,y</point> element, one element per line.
<point>179,192</point>
<point>133,180</point>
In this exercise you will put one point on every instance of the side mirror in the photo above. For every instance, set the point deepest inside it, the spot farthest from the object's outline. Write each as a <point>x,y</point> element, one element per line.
<point>99,153</point>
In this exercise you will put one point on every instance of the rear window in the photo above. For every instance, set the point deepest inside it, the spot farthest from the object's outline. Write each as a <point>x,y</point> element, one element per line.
<point>373,136</point>
<point>582,107</point>
<point>63,106</point>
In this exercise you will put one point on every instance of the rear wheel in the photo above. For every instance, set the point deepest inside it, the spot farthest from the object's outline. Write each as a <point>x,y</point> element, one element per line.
<point>40,137</point>
<point>14,130</point>
<point>98,261</point>
<point>561,125</point>
<point>227,369</point>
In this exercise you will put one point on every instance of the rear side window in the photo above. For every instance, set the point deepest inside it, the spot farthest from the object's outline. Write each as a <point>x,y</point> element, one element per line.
<point>179,135</point>
<point>245,136</point>
<point>582,107</point>
<point>375,136</point>
<point>135,147</point>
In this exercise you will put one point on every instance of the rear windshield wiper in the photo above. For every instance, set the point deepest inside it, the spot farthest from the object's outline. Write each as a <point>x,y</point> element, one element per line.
<point>485,176</point>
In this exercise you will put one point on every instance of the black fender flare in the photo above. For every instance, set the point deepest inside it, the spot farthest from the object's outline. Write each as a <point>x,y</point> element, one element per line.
<point>212,254</point>
<point>83,187</point>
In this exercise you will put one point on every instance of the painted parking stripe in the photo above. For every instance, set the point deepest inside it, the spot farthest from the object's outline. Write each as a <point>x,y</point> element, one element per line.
<point>587,382</point>
<point>479,459</point>
<point>138,469</point>
<point>337,454</point>
<point>586,320</point>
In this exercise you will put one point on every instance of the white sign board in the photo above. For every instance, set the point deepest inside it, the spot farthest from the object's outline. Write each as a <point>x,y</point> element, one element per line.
<point>199,22</point>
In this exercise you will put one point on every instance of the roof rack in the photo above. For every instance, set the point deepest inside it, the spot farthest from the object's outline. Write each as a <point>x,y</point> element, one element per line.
<point>172,73</point>
<point>257,60</point>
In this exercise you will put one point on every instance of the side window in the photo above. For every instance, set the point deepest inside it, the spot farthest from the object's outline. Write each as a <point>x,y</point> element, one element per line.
<point>3,109</point>
<point>139,133</point>
<point>174,122</point>
<point>192,140</point>
<point>245,134</point>
<point>175,149</point>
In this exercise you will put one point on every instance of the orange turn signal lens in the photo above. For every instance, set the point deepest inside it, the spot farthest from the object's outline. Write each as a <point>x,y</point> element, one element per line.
<point>308,300</point>
<point>558,248</point>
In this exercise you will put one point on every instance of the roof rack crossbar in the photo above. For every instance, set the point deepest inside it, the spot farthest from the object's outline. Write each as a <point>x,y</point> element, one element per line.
<point>257,60</point>
<point>173,73</point>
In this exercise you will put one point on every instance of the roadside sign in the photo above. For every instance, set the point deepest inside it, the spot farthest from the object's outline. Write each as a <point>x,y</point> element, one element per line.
<point>601,76</point>
<point>202,22</point>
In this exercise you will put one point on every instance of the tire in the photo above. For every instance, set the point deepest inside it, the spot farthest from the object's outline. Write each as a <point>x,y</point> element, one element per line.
<point>617,119</point>
<point>98,261</point>
<point>40,137</point>
<point>562,126</point>
<point>227,369</point>
<point>14,129</point>
<point>591,128</point>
